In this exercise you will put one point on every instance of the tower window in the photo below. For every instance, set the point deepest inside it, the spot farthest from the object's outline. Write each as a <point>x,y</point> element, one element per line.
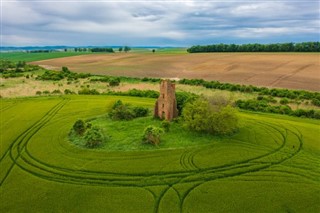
<point>162,95</point>
<point>162,105</point>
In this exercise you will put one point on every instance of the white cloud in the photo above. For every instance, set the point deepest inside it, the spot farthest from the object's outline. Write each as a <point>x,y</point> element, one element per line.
<point>155,22</point>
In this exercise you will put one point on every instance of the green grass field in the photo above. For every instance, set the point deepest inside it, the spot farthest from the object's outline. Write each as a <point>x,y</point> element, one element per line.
<point>28,57</point>
<point>270,165</point>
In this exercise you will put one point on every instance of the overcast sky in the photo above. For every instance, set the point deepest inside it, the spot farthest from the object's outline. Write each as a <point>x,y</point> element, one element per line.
<point>157,23</point>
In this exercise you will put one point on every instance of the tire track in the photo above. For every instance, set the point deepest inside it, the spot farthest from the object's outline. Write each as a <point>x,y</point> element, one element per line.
<point>21,157</point>
<point>289,75</point>
<point>25,136</point>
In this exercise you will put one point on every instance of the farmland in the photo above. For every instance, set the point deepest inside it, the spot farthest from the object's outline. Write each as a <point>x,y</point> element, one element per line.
<point>283,70</point>
<point>270,164</point>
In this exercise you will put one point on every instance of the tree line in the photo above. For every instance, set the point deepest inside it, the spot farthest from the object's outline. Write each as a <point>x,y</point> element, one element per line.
<point>278,47</point>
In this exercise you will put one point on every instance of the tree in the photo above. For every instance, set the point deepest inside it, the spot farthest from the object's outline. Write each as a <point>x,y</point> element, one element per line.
<point>127,49</point>
<point>153,50</point>
<point>120,49</point>
<point>79,127</point>
<point>93,137</point>
<point>203,116</point>
<point>152,135</point>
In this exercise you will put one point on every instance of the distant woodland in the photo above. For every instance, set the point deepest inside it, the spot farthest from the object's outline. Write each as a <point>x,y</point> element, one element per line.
<point>279,47</point>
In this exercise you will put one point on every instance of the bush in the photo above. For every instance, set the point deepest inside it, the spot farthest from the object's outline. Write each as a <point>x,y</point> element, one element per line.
<point>122,111</point>
<point>152,135</point>
<point>140,111</point>
<point>56,91</point>
<point>38,93</point>
<point>79,127</point>
<point>114,82</point>
<point>68,92</point>
<point>165,125</point>
<point>284,101</point>
<point>86,91</point>
<point>201,116</point>
<point>93,137</point>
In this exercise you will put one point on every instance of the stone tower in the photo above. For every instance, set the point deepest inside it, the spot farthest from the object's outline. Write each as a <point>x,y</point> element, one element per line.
<point>166,105</point>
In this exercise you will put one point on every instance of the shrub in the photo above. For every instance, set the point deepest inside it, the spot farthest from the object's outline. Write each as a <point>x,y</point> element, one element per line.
<point>202,116</point>
<point>93,137</point>
<point>122,111</point>
<point>152,135</point>
<point>165,125</point>
<point>46,92</point>
<point>79,127</point>
<point>140,111</point>
<point>86,91</point>
<point>38,93</point>
<point>56,91</point>
<point>114,82</point>
<point>68,92</point>
<point>284,101</point>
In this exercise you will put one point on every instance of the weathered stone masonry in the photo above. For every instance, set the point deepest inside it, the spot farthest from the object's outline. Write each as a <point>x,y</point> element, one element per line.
<point>166,105</point>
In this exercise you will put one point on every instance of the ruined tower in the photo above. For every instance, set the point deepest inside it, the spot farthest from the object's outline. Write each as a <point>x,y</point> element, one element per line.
<point>166,105</point>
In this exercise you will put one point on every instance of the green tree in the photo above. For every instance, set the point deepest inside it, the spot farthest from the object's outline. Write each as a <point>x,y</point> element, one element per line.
<point>93,137</point>
<point>127,49</point>
<point>152,135</point>
<point>79,127</point>
<point>203,116</point>
<point>120,49</point>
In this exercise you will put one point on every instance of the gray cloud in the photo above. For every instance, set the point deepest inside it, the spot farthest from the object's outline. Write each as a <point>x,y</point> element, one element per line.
<point>96,22</point>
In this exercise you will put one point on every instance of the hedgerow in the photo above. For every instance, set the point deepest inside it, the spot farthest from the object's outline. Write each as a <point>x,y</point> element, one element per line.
<point>264,106</point>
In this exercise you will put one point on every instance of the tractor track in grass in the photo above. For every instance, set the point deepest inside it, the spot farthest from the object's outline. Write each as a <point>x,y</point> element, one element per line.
<point>192,174</point>
<point>25,136</point>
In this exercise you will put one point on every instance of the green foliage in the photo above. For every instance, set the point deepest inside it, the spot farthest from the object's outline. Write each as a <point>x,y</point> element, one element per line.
<point>65,73</point>
<point>126,48</point>
<point>87,91</point>
<point>56,91</point>
<point>202,116</point>
<point>122,111</point>
<point>165,125</point>
<point>140,111</point>
<point>10,69</point>
<point>68,92</point>
<point>264,106</point>
<point>262,91</point>
<point>114,82</point>
<point>79,127</point>
<point>279,47</point>
<point>183,98</point>
<point>93,137</point>
<point>100,49</point>
<point>151,135</point>
<point>284,101</point>
<point>136,93</point>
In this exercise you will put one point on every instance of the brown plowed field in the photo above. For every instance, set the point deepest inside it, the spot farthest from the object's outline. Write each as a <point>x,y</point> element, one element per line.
<point>284,70</point>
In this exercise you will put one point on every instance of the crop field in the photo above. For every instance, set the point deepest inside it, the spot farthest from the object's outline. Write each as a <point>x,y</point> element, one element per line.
<point>283,70</point>
<point>270,165</point>
<point>27,57</point>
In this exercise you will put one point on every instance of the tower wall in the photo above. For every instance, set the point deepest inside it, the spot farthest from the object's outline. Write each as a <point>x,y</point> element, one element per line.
<point>166,105</point>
